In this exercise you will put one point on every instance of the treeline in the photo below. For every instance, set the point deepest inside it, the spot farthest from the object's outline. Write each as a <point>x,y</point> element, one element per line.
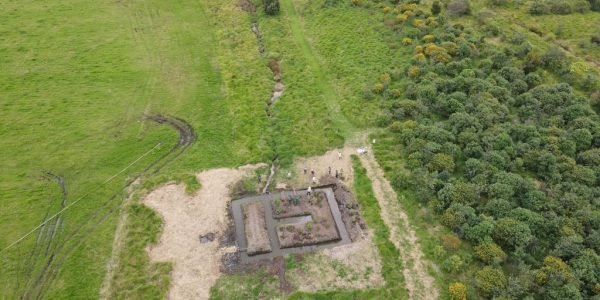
<point>510,164</point>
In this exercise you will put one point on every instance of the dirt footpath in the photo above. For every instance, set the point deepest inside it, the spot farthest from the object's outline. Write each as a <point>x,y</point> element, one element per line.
<point>185,219</point>
<point>418,281</point>
<point>256,230</point>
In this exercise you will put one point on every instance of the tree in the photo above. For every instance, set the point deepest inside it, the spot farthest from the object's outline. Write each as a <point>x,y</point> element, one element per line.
<point>555,59</point>
<point>441,162</point>
<point>481,233</point>
<point>271,7</point>
<point>582,138</point>
<point>512,233</point>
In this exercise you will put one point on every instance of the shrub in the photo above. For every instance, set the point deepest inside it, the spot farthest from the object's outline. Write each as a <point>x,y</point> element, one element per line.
<point>561,7</point>
<point>271,7</point>
<point>490,281</point>
<point>429,38</point>
<point>450,47</point>
<point>386,9</point>
<point>555,59</point>
<point>418,23</point>
<point>401,18</point>
<point>418,56</point>
<point>581,6</point>
<point>539,7</point>
<point>431,21</point>
<point>459,8</point>
<point>414,71</point>
<point>490,253</point>
<point>436,8</point>
<point>407,41</point>
<point>385,78</point>
<point>450,241</point>
<point>457,291</point>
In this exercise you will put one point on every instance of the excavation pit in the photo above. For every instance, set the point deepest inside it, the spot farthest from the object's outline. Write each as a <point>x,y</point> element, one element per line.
<point>294,222</point>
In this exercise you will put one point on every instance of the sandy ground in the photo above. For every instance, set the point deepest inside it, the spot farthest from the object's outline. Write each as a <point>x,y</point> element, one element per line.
<point>185,218</point>
<point>321,164</point>
<point>256,230</point>
<point>418,281</point>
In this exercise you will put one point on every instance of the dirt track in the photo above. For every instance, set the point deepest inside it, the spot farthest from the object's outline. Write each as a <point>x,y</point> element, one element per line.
<point>418,281</point>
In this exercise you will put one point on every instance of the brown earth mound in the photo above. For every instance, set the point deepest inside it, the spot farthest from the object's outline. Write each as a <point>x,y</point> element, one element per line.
<point>256,230</point>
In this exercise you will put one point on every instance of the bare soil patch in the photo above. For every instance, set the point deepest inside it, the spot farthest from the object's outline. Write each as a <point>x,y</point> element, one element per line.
<point>321,165</point>
<point>196,266</point>
<point>255,228</point>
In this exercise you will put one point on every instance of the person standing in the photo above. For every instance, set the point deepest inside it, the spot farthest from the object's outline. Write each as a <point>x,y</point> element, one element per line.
<point>289,174</point>
<point>308,190</point>
<point>259,178</point>
<point>312,172</point>
<point>336,174</point>
<point>329,170</point>
<point>314,179</point>
<point>340,155</point>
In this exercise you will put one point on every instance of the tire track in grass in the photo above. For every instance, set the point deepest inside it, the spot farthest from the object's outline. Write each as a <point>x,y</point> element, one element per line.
<point>341,123</point>
<point>61,252</point>
<point>45,237</point>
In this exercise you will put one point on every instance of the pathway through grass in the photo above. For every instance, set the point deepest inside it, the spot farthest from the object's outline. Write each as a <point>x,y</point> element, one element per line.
<point>346,129</point>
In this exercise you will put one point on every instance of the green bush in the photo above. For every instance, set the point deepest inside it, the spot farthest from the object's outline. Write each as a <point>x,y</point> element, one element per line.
<point>539,7</point>
<point>271,7</point>
<point>436,8</point>
<point>459,7</point>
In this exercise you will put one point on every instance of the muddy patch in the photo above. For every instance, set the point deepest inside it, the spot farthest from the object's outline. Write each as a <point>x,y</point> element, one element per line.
<point>209,237</point>
<point>255,228</point>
